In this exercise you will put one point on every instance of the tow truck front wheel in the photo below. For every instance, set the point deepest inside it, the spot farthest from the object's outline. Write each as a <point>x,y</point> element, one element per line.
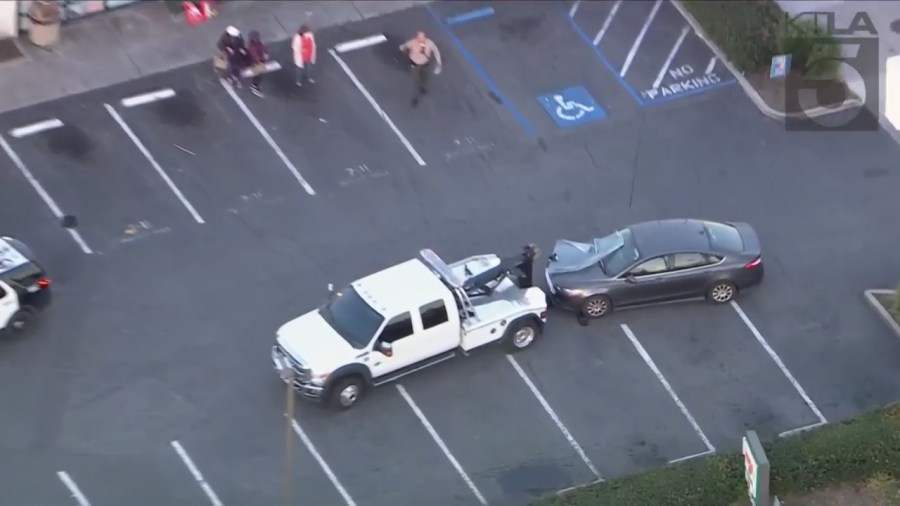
<point>522,334</point>
<point>346,393</point>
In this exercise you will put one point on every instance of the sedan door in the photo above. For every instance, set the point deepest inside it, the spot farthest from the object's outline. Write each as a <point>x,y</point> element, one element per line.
<point>689,274</point>
<point>643,283</point>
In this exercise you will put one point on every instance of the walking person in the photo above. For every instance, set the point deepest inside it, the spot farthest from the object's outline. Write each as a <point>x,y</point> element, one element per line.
<point>304,49</point>
<point>421,50</point>
<point>232,45</point>
<point>258,55</point>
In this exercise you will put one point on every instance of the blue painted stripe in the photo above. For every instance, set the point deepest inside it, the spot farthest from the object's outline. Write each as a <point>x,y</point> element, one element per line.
<point>481,73</point>
<point>673,98</point>
<point>469,16</point>
<point>587,40</point>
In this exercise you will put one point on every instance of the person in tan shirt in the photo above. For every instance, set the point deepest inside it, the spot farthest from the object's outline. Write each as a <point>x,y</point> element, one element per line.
<point>421,51</point>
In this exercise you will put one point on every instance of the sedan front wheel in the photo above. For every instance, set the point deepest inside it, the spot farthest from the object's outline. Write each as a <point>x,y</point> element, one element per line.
<point>596,306</point>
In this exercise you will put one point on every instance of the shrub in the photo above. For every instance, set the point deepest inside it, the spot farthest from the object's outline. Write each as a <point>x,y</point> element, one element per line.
<point>751,32</point>
<point>858,449</point>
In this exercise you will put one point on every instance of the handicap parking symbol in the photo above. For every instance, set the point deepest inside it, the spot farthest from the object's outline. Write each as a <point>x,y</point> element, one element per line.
<point>571,107</point>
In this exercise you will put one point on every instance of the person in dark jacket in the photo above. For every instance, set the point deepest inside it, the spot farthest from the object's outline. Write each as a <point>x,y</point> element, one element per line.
<point>258,56</point>
<point>232,45</point>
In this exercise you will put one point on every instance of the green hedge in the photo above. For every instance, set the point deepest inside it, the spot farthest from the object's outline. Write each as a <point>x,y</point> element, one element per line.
<point>851,451</point>
<point>751,32</point>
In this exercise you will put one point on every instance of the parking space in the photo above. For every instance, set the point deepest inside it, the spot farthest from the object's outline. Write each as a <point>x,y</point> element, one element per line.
<point>382,455</point>
<point>496,429</point>
<point>721,371</point>
<point>200,136</point>
<point>461,116</point>
<point>89,165</point>
<point>609,399</point>
<point>527,52</point>
<point>328,128</point>
<point>651,48</point>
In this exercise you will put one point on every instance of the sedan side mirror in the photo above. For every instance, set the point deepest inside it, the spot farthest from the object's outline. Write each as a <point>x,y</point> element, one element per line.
<point>385,348</point>
<point>629,278</point>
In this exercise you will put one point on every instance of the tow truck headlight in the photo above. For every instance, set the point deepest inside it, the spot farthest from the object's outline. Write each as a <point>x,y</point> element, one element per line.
<point>319,378</point>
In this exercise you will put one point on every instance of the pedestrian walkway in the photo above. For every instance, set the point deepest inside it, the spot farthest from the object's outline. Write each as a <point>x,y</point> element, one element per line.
<point>146,38</point>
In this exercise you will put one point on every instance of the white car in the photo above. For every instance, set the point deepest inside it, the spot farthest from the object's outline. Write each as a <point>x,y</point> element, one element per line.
<point>408,317</point>
<point>24,287</point>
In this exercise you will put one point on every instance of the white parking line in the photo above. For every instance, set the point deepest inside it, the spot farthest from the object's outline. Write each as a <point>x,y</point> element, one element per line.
<point>779,363</point>
<point>554,417</point>
<point>672,53</point>
<point>711,65</point>
<point>353,45</point>
<point>268,138</point>
<point>324,465</point>
<point>73,488</point>
<point>146,98</point>
<point>798,430</point>
<point>690,457</point>
<point>144,151</point>
<point>574,8</point>
<point>48,200</point>
<point>34,128</point>
<point>213,498</point>
<point>362,89</point>
<point>640,38</point>
<point>665,383</point>
<point>607,22</point>
<point>440,442</point>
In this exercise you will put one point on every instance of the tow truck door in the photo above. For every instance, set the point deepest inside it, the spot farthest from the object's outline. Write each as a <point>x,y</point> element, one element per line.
<point>9,303</point>
<point>416,336</point>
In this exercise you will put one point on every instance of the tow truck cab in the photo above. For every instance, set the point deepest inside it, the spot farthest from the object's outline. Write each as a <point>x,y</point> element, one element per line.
<point>407,317</point>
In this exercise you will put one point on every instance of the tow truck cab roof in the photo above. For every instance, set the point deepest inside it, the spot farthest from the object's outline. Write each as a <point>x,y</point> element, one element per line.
<point>400,288</point>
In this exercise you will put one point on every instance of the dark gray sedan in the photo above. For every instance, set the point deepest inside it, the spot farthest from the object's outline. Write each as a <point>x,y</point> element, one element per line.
<point>655,261</point>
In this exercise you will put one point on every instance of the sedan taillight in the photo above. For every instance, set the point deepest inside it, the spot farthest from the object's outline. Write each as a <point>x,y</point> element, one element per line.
<point>756,262</point>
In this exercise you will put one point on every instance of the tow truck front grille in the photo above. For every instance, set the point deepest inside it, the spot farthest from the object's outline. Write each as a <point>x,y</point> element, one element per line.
<point>301,373</point>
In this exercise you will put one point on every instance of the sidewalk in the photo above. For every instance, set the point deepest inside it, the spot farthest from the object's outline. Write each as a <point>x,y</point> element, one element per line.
<point>147,38</point>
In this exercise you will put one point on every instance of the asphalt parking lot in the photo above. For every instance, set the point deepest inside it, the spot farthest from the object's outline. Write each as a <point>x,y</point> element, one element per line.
<point>209,217</point>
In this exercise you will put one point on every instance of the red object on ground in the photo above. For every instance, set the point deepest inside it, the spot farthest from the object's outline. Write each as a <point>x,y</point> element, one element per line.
<point>207,7</point>
<point>193,14</point>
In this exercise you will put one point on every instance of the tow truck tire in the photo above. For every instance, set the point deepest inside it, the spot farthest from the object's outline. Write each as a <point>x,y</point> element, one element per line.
<point>345,393</point>
<point>522,334</point>
<point>20,322</point>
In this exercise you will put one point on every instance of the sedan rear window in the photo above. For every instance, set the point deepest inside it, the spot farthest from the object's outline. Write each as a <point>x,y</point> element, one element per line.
<point>724,237</point>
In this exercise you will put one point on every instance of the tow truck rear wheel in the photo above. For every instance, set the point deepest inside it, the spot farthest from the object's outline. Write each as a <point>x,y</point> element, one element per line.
<point>522,334</point>
<point>346,393</point>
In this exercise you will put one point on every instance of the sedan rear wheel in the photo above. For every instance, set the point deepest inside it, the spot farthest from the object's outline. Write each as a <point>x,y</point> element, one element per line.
<point>722,292</point>
<point>596,306</point>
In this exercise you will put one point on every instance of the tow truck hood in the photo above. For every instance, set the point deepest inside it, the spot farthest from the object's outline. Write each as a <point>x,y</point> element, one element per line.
<point>314,343</point>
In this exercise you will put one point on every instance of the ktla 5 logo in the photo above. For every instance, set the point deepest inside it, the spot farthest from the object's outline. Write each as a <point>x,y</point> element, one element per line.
<point>854,58</point>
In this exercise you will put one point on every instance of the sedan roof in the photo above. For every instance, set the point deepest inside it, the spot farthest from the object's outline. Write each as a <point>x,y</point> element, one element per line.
<point>654,238</point>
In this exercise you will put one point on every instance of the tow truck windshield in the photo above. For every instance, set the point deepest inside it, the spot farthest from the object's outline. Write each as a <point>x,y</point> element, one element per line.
<point>352,317</point>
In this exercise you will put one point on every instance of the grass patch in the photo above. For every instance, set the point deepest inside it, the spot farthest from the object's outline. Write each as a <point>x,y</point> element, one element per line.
<point>861,450</point>
<point>895,306</point>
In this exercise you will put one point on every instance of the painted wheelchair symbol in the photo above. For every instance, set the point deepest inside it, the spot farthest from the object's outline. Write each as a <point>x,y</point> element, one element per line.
<point>563,107</point>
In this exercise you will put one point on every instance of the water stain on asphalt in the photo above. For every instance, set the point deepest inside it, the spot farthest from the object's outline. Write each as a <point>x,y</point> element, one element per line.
<point>521,29</point>
<point>645,455</point>
<point>533,480</point>
<point>71,142</point>
<point>181,110</point>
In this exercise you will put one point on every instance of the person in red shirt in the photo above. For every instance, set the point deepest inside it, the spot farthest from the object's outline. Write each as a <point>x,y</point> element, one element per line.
<point>304,49</point>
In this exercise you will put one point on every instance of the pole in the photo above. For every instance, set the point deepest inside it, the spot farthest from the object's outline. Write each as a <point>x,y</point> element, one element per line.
<point>289,444</point>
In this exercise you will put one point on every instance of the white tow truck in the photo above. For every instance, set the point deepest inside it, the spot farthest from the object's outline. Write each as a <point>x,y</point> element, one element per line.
<point>408,317</point>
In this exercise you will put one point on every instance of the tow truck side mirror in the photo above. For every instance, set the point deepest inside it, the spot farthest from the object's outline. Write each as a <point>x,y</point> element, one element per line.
<point>385,348</point>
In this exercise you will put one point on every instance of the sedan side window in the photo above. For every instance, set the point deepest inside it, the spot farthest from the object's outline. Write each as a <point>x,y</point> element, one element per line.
<point>396,329</point>
<point>681,261</point>
<point>653,266</point>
